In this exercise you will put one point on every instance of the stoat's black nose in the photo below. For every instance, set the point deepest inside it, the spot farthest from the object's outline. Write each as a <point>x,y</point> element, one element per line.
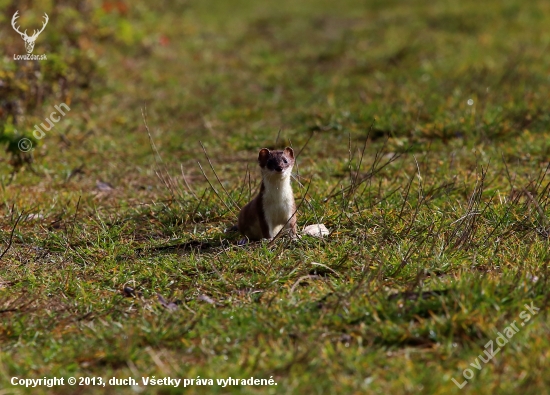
<point>278,168</point>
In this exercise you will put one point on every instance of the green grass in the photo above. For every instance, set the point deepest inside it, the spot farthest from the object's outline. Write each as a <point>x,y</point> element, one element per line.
<point>424,137</point>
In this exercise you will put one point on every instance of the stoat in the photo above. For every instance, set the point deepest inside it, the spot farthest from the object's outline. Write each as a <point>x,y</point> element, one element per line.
<point>274,207</point>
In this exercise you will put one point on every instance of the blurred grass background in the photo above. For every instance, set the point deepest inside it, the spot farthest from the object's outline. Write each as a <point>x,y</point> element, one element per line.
<point>424,128</point>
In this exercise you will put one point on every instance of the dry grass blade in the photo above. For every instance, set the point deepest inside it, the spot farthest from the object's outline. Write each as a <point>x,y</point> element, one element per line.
<point>11,234</point>
<point>303,278</point>
<point>216,175</point>
<point>326,267</point>
<point>162,172</point>
<point>213,188</point>
<point>186,183</point>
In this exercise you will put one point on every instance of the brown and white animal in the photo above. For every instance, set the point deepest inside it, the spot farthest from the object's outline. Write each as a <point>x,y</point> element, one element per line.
<point>274,207</point>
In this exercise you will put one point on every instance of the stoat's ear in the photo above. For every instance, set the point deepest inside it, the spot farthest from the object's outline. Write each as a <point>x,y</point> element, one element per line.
<point>289,152</point>
<point>263,156</point>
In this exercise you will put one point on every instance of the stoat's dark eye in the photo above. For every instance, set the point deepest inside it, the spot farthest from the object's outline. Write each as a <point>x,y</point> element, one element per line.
<point>284,160</point>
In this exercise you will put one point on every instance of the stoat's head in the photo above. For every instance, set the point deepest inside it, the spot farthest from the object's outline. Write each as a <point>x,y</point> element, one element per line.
<point>276,164</point>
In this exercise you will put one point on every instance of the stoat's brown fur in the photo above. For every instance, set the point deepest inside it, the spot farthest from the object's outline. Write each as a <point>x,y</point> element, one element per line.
<point>274,207</point>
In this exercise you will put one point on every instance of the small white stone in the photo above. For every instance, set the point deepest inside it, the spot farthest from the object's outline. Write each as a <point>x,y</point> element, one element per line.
<point>316,230</point>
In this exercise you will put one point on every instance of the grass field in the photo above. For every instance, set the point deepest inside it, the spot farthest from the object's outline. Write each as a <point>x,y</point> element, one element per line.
<point>423,132</point>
